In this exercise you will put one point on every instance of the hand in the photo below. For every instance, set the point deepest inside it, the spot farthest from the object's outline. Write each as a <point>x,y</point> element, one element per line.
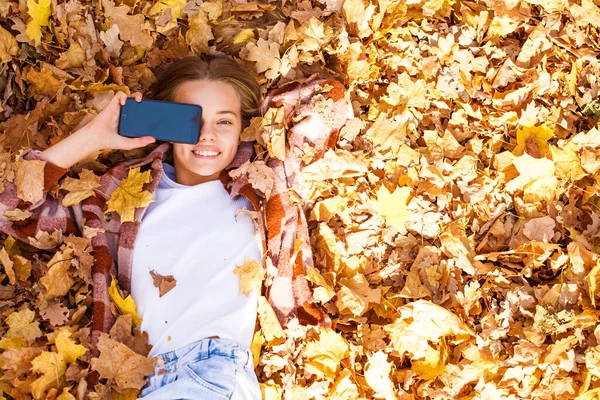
<point>102,129</point>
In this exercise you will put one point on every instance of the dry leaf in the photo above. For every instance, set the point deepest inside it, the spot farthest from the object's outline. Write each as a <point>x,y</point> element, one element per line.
<point>118,362</point>
<point>162,282</point>
<point>130,195</point>
<point>250,276</point>
<point>79,189</point>
<point>40,13</point>
<point>17,214</point>
<point>30,180</point>
<point>125,305</point>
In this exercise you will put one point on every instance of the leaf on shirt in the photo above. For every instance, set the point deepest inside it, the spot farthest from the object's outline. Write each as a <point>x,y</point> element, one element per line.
<point>162,282</point>
<point>125,305</point>
<point>250,276</point>
<point>129,195</point>
<point>118,362</point>
<point>80,189</point>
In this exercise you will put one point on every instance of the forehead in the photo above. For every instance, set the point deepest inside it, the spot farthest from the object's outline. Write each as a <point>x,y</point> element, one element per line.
<point>212,96</point>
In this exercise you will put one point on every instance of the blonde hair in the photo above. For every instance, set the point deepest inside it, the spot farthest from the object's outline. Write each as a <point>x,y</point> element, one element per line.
<point>207,67</point>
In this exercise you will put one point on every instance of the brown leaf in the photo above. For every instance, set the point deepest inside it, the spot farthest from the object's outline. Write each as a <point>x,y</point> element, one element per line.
<point>117,362</point>
<point>56,313</point>
<point>162,282</point>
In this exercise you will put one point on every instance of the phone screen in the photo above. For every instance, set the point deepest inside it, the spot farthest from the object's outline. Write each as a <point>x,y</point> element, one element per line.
<point>168,121</point>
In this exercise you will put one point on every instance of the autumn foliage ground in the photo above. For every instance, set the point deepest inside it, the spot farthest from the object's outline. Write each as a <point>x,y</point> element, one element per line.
<point>455,226</point>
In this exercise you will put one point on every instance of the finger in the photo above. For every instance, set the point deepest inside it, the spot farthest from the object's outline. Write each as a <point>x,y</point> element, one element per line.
<point>137,96</point>
<point>121,97</point>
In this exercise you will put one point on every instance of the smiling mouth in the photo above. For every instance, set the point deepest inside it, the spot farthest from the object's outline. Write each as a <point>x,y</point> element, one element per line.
<point>206,153</point>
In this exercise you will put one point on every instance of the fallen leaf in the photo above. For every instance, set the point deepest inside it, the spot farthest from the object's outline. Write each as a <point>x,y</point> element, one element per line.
<point>162,282</point>
<point>266,56</point>
<point>56,313</point>
<point>52,366</point>
<point>118,362</point>
<point>392,206</point>
<point>30,180</point>
<point>533,140</point>
<point>129,195</point>
<point>79,189</point>
<point>269,324</point>
<point>323,356</point>
<point>58,281</point>
<point>8,46</point>
<point>17,214</point>
<point>40,13</point>
<point>125,305</point>
<point>250,276</point>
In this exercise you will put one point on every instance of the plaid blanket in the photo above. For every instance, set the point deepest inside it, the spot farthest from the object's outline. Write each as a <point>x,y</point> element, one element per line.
<point>314,111</point>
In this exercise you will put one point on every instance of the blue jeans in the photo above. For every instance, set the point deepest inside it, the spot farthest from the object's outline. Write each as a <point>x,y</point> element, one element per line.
<point>208,369</point>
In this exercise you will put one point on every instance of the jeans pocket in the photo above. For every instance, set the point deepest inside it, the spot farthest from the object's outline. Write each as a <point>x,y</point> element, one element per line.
<point>216,373</point>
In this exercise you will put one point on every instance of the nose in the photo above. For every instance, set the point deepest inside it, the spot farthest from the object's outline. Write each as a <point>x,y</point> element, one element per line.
<point>207,132</point>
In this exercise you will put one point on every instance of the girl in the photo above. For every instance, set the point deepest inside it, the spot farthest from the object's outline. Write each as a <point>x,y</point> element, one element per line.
<point>202,328</point>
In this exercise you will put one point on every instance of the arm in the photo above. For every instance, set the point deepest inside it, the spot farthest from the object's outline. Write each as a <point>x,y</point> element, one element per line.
<point>100,133</point>
<point>48,214</point>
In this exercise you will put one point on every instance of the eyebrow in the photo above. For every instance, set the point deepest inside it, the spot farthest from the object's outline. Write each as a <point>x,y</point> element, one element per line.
<point>227,112</point>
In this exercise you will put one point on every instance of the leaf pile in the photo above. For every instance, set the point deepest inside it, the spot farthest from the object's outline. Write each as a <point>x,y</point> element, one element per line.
<point>455,226</point>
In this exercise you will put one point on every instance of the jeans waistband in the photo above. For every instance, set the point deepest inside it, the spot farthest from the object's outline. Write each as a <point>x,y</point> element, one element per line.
<point>207,347</point>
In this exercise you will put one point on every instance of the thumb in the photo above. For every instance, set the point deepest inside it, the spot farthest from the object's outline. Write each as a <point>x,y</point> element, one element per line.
<point>134,143</point>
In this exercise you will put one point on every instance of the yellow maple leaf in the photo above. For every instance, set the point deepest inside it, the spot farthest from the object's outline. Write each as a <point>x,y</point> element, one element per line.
<point>250,276</point>
<point>21,324</point>
<point>392,206</point>
<point>169,21</point>
<point>125,305</point>
<point>312,34</point>
<point>80,189</point>
<point>536,179</point>
<point>323,356</point>
<point>377,375</point>
<point>39,12</point>
<point>266,55</point>
<point>533,139</point>
<point>129,195</point>
<point>200,32</point>
<point>67,347</point>
<point>52,366</point>
<point>567,162</point>
<point>269,324</point>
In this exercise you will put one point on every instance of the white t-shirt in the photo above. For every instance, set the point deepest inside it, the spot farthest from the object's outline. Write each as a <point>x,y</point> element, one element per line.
<point>192,233</point>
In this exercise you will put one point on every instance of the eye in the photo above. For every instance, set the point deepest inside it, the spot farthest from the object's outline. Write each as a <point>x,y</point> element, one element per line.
<point>224,122</point>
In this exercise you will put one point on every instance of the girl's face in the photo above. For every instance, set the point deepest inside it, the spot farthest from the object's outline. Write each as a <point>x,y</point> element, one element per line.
<point>219,136</point>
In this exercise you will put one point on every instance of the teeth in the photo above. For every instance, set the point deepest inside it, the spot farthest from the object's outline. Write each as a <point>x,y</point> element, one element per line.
<point>206,153</point>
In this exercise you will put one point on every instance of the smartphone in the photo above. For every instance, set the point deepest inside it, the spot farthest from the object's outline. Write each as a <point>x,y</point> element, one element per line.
<point>164,120</point>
